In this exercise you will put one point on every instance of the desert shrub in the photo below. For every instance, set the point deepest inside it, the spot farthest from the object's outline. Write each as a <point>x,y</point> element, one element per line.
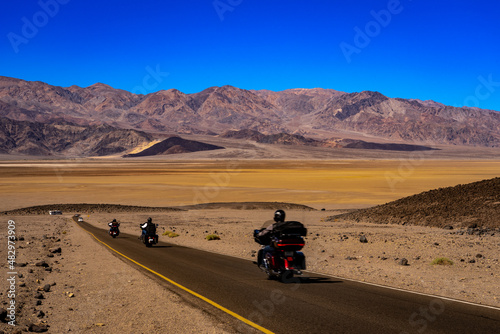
<point>442,261</point>
<point>212,237</point>
<point>170,234</point>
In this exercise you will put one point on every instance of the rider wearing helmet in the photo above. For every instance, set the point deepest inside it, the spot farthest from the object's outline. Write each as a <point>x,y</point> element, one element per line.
<point>264,232</point>
<point>114,223</point>
<point>147,226</point>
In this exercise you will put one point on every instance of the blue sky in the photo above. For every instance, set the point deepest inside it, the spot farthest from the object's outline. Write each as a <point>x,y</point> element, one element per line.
<point>447,51</point>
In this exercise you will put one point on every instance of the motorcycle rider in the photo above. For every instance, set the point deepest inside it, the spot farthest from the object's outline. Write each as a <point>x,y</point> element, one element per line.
<point>114,223</point>
<point>265,232</point>
<point>148,226</point>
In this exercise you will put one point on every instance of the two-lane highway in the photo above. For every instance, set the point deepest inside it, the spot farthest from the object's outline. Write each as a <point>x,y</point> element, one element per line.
<point>311,304</point>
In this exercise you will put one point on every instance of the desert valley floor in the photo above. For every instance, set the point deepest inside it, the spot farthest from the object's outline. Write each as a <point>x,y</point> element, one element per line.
<point>332,247</point>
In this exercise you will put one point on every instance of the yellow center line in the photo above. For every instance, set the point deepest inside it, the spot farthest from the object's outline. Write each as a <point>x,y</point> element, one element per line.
<point>220,307</point>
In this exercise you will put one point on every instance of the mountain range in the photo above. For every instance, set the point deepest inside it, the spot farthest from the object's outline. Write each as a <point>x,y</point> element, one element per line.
<point>317,114</point>
<point>35,138</point>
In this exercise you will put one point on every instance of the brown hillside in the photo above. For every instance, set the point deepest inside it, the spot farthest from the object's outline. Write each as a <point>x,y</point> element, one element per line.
<point>174,145</point>
<point>465,205</point>
<point>318,113</point>
<point>35,138</point>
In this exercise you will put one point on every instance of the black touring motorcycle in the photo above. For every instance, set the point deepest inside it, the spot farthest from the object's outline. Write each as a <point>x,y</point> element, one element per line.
<point>279,256</point>
<point>149,236</point>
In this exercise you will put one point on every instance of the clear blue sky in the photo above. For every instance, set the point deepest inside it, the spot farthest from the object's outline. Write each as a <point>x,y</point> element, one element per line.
<point>447,51</point>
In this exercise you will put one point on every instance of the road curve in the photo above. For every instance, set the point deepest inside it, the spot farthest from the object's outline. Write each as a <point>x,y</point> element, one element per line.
<point>311,304</point>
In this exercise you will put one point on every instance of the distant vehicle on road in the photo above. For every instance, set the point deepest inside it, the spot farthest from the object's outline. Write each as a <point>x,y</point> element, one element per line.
<point>55,212</point>
<point>76,215</point>
<point>80,219</point>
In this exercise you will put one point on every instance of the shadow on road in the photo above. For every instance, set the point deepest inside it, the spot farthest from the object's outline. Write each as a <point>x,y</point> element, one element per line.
<point>317,280</point>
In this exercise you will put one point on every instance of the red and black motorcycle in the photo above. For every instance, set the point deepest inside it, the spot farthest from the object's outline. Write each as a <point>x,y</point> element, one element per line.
<point>280,256</point>
<point>114,231</point>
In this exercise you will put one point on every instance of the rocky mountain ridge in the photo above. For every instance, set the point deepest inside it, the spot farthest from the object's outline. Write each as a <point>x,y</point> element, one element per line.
<point>315,113</point>
<point>299,140</point>
<point>41,139</point>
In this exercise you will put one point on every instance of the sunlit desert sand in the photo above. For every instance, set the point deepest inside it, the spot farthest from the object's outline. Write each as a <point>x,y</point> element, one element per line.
<point>329,184</point>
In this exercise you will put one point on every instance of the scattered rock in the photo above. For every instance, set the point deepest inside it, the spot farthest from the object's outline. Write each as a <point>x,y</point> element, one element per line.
<point>479,256</point>
<point>42,264</point>
<point>351,258</point>
<point>55,250</point>
<point>39,295</point>
<point>448,227</point>
<point>403,262</point>
<point>363,239</point>
<point>3,314</point>
<point>40,328</point>
<point>472,261</point>
<point>40,314</point>
<point>436,244</point>
<point>46,288</point>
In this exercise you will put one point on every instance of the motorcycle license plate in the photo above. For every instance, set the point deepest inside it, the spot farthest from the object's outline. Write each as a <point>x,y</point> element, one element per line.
<point>288,254</point>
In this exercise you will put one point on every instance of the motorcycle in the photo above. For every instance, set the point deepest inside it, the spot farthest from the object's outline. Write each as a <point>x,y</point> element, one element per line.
<point>149,238</point>
<point>114,231</point>
<point>280,257</point>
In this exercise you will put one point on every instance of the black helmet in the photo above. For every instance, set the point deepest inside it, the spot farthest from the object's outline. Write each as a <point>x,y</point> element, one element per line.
<point>150,220</point>
<point>114,221</point>
<point>279,216</point>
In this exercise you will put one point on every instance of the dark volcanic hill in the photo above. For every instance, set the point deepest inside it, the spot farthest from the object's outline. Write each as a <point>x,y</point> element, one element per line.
<point>475,203</point>
<point>317,113</point>
<point>298,140</point>
<point>34,138</point>
<point>174,145</point>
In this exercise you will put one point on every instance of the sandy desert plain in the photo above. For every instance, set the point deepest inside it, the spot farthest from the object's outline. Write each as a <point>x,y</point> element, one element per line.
<point>92,273</point>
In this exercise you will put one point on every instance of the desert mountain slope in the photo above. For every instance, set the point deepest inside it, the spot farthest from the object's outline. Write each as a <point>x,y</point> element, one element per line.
<point>174,145</point>
<point>464,205</point>
<point>317,113</point>
<point>34,138</point>
<point>298,140</point>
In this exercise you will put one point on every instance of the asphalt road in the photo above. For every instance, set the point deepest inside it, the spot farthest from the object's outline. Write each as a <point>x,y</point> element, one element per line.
<point>311,304</point>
